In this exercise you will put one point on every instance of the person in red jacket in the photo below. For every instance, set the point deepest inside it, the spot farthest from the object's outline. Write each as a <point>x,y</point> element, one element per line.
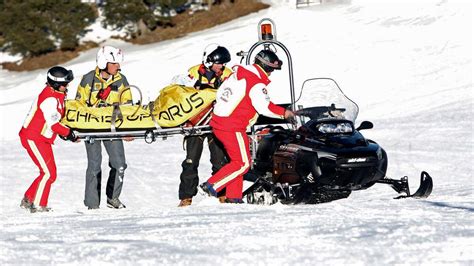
<point>239,101</point>
<point>38,133</point>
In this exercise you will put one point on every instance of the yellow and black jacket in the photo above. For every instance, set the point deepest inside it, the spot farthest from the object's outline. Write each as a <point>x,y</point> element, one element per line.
<point>92,85</point>
<point>206,78</point>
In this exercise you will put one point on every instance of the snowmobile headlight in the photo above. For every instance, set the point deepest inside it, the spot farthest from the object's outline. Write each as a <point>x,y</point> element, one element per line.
<point>335,128</point>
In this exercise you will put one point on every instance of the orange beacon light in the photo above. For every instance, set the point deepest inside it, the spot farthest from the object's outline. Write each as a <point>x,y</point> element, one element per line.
<point>266,31</point>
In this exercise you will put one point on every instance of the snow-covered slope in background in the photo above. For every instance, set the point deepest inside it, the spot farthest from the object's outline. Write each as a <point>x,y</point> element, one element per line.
<point>409,67</point>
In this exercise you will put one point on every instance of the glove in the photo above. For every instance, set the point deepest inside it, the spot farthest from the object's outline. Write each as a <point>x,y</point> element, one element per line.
<point>71,136</point>
<point>104,93</point>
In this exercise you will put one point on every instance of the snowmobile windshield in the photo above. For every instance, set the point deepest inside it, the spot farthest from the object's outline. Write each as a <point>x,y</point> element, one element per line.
<point>324,99</point>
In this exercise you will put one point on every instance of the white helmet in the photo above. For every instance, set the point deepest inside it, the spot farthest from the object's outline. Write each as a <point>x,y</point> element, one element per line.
<point>108,54</point>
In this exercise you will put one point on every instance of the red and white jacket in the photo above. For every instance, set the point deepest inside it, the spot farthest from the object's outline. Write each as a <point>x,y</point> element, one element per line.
<point>42,122</point>
<point>241,98</point>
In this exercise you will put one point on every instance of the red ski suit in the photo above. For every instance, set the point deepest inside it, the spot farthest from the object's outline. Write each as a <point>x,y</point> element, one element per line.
<point>239,101</point>
<point>37,135</point>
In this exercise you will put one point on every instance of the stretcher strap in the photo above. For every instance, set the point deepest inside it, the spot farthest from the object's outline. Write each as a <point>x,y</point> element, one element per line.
<point>151,106</point>
<point>116,113</point>
<point>206,118</point>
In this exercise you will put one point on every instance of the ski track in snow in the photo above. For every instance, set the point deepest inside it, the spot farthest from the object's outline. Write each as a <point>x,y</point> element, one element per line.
<point>408,66</point>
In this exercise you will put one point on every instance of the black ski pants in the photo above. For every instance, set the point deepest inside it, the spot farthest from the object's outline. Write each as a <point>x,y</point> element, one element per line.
<point>194,146</point>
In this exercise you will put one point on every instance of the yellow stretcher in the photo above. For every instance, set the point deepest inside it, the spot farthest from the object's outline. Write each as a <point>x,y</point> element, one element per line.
<point>177,110</point>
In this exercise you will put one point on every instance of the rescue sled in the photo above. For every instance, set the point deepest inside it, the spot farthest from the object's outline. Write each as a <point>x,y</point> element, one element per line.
<point>178,110</point>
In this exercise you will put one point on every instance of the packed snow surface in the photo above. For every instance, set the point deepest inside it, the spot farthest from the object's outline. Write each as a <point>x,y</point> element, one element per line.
<point>408,64</point>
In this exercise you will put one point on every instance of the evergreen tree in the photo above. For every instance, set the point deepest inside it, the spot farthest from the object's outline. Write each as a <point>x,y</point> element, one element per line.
<point>25,29</point>
<point>35,27</point>
<point>68,21</point>
<point>130,15</point>
<point>173,4</point>
<point>126,15</point>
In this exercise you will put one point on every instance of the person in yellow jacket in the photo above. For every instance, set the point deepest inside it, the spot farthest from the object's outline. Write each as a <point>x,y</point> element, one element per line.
<point>209,74</point>
<point>102,87</point>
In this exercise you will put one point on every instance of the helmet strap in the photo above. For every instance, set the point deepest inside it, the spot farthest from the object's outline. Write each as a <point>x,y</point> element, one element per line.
<point>207,64</point>
<point>56,87</point>
<point>106,71</point>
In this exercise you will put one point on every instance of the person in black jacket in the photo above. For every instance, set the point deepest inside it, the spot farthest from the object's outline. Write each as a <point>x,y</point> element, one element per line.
<point>209,74</point>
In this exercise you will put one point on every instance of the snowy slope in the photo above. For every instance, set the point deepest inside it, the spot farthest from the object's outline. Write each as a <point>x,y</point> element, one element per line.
<point>408,66</point>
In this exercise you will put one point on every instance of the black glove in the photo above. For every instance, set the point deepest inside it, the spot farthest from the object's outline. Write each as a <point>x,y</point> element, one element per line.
<point>71,136</point>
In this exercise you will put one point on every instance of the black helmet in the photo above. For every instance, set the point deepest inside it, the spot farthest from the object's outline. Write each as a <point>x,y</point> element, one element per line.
<point>268,60</point>
<point>58,76</point>
<point>215,55</point>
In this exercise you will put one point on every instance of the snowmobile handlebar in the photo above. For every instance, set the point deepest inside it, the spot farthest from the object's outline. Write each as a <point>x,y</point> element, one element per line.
<point>320,111</point>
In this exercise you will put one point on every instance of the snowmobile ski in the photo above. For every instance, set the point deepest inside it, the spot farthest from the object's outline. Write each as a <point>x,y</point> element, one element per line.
<point>401,186</point>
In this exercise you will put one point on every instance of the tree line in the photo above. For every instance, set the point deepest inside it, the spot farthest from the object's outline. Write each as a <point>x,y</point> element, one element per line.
<point>36,27</point>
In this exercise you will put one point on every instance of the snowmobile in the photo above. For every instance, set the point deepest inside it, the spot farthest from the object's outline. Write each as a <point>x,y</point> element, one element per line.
<point>323,156</point>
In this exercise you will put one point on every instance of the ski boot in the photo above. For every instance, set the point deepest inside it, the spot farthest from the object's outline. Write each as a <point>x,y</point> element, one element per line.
<point>26,203</point>
<point>115,204</point>
<point>235,201</point>
<point>185,202</point>
<point>222,199</point>
<point>35,209</point>
<point>207,189</point>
